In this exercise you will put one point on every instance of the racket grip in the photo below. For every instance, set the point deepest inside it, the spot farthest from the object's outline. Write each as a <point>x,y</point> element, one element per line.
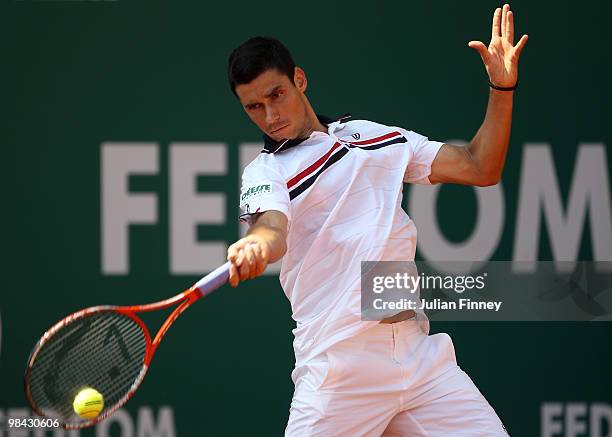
<point>213,280</point>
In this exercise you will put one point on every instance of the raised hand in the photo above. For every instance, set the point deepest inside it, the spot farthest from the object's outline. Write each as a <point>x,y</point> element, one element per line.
<point>501,57</point>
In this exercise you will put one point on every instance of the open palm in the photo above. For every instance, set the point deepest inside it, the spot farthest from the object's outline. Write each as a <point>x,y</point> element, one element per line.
<point>501,57</point>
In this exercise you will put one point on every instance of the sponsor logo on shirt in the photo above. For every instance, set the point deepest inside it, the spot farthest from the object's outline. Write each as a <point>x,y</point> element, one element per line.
<point>255,191</point>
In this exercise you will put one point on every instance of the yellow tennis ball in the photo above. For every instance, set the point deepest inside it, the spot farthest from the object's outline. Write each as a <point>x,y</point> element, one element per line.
<point>88,403</point>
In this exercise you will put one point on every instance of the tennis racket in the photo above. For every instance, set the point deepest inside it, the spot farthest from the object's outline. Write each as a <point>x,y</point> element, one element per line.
<point>107,348</point>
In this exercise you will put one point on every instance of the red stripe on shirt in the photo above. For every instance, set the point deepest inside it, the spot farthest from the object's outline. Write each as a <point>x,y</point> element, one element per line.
<point>375,140</point>
<point>311,168</point>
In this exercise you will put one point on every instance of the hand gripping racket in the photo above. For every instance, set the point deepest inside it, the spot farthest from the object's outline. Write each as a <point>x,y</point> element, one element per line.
<point>107,348</point>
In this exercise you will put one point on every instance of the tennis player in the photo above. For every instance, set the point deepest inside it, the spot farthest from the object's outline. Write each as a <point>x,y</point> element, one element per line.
<point>325,194</point>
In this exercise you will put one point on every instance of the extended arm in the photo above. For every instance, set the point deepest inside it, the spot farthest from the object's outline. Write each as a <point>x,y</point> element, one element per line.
<point>482,161</point>
<point>265,243</point>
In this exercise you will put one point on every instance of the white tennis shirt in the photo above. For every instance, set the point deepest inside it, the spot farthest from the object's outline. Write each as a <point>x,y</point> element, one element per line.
<point>341,192</point>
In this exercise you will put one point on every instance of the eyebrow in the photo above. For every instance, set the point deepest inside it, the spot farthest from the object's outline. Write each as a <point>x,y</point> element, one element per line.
<point>268,94</point>
<point>275,89</point>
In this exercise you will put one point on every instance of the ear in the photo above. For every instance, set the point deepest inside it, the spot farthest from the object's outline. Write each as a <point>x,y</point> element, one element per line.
<point>299,79</point>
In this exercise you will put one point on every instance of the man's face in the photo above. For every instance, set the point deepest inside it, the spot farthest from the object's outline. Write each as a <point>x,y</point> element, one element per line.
<point>275,104</point>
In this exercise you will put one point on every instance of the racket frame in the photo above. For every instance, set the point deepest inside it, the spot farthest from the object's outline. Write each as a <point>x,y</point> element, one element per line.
<point>203,287</point>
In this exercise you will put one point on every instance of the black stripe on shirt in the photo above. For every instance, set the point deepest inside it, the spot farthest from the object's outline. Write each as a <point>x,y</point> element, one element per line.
<point>378,146</point>
<point>308,182</point>
<point>335,158</point>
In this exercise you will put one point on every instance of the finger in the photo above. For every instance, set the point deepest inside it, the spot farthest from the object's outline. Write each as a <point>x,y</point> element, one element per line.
<point>480,48</point>
<point>519,46</point>
<point>244,271</point>
<point>504,16</point>
<point>233,275</point>
<point>232,253</point>
<point>240,258</point>
<point>510,27</point>
<point>259,260</point>
<point>249,256</point>
<point>265,252</point>
<point>256,260</point>
<point>496,31</point>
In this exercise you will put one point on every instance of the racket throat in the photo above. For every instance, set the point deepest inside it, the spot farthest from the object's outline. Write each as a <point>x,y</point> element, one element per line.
<point>170,320</point>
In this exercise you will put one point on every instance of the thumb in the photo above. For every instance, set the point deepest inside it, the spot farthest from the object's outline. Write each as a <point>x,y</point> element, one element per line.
<point>480,48</point>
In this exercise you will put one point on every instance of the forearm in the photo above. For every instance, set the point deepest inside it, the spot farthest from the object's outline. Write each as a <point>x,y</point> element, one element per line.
<point>489,146</point>
<point>481,163</point>
<point>273,236</point>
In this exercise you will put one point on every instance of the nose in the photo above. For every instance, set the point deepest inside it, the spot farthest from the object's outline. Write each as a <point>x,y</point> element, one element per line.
<point>271,115</point>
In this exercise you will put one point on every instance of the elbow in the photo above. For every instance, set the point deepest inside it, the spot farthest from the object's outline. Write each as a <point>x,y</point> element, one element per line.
<point>487,182</point>
<point>484,173</point>
<point>487,173</point>
<point>488,179</point>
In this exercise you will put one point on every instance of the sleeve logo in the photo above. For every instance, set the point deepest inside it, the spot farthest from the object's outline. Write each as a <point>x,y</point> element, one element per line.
<point>256,191</point>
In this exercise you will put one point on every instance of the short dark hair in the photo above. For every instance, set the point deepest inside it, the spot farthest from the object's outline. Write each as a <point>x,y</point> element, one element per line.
<point>256,56</point>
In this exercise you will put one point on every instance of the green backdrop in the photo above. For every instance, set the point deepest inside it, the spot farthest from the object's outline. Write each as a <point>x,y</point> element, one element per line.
<point>76,74</point>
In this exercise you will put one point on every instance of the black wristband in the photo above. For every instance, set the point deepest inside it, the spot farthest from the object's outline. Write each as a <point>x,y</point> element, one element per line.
<point>502,88</point>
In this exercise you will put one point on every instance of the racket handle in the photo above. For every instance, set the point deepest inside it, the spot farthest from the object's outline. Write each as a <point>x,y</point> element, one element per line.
<point>213,280</point>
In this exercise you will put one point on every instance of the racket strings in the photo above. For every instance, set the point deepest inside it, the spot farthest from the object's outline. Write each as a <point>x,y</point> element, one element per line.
<point>104,351</point>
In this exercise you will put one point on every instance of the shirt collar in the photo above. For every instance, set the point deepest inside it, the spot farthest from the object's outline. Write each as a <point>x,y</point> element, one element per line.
<point>272,146</point>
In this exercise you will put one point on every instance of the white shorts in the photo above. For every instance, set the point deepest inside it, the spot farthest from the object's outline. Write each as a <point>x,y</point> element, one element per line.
<point>391,380</point>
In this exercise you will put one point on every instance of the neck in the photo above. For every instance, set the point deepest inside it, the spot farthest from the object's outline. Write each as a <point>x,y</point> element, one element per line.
<point>313,123</point>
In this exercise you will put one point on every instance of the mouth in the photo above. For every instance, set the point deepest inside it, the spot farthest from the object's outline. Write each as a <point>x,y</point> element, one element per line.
<point>275,131</point>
